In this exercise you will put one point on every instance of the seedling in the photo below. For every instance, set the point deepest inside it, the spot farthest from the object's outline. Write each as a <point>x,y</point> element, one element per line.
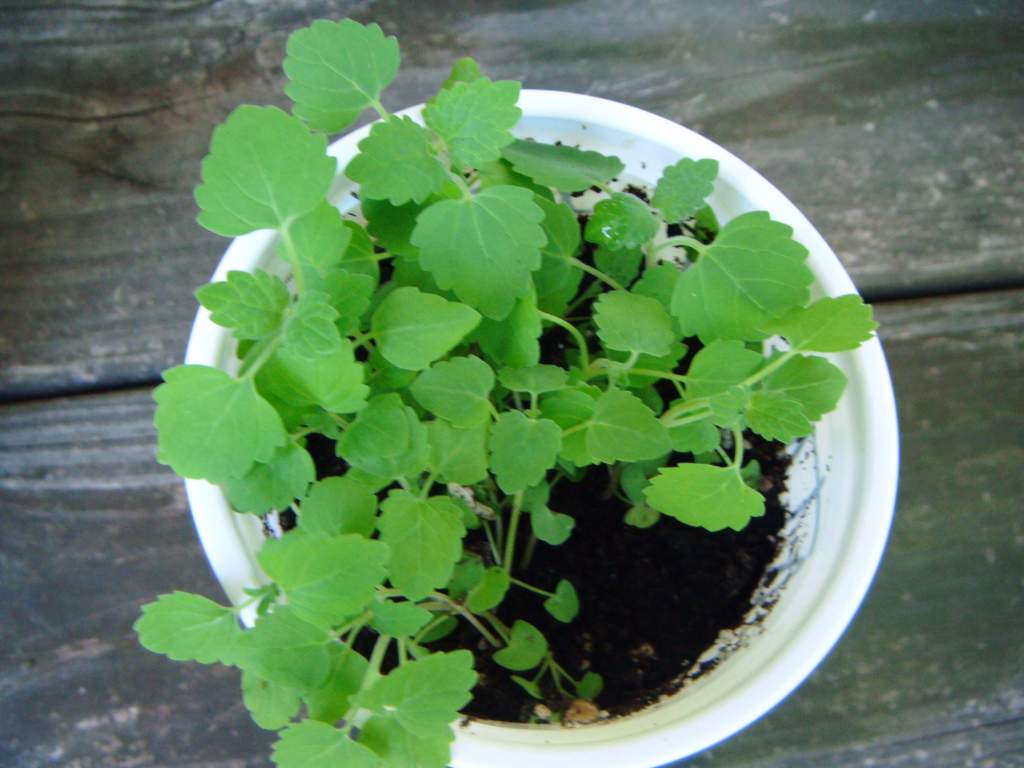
<point>410,335</point>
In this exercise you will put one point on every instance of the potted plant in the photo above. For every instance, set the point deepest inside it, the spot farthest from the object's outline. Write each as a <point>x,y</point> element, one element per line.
<point>428,418</point>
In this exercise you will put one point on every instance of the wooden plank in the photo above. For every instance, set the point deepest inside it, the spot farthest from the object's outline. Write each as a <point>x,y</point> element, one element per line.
<point>931,673</point>
<point>896,129</point>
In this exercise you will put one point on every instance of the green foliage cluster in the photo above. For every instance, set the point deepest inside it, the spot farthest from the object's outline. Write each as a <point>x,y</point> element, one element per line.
<point>433,386</point>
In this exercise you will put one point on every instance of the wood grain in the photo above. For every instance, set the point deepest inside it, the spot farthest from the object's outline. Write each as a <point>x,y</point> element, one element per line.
<point>930,674</point>
<point>896,129</point>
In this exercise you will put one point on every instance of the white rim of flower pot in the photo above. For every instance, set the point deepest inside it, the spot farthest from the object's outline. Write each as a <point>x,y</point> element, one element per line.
<point>661,733</point>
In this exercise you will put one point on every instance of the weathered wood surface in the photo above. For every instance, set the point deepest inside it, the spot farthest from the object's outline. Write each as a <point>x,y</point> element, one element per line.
<point>895,126</point>
<point>930,674</point>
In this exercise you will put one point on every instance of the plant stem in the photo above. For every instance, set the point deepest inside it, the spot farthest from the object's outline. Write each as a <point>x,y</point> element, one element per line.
<point>531,588</point>
<point>773,366</point>
<point>258,356</point>
<point>490,540</point>
<point>293,257</point>
<point>595,272</point>
<point>574,332</point>
<point>467,615</point>
<point>689,242</point>
<point>531,545</point>
<point>498,625</point>
<point>737,438</point>
<point>576,428</point>
<point>691,419</point>
<point>427,485</point>
<point>379,109</point>
<point>510,539</point>
<point>361,339</point>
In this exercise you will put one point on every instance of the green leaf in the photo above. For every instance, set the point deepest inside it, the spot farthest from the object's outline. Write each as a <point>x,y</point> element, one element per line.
<point>264,168</point>
<point>330,701</point>
<point>310,330</point>
<point>326,579</point>
<point>483,248</point>
<point>558,280</point>
<point>213,426</point>
<point>392,225</point>
<point>360,257</point>
<point>396,162</point>
<point>333,381</point>
<point>251,304</point>
<point>465,576</point>
<point>565,168</point>
<point>458,455</point>
<point>464,70</point>
<point>311,744</point>
<point>621,266</point>
<point>338,505</point>
<point>489,591</point>
<point>659,283</point>
<point>728,407</point>
<point>513,341</point>
<point>425,536</point>
<point>702,495</point>
<point>271,705</point>
<point>187,627</point>
<point>315,242</point>
<point>501,173</point>
<point>590,686</point>
<point>273,485</point>
<point>398,619</point>
<point>349,294</point>
<point>401,749</point>
<point>696,437</point>
<point>525,650</point>
<point>552,528</point>
<point>624,429</point>
<point>666,363</point>
<point>474,119</point>
<point>522,450</point>
<point>752,274</point>
<point>569,408</point>
<point>828,325</point>
<point>565,604</point>
<point>456,390</point>
<point>536,379</point>
<point>621,222</point>
<point>719,366</point>
<point>775,417</point>
<point>386,439</point>
<point>528,685</point>
<point>285,649</point>
<point>424,696</point>
<point>336,69</point>
<point>683,188</point>
<point>641,516</point>
<point>813,382</point>
<point>415,328</point>
<point>632,323</point>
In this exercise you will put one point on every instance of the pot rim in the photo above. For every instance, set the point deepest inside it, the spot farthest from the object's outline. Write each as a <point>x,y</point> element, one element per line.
<point>642,738</point>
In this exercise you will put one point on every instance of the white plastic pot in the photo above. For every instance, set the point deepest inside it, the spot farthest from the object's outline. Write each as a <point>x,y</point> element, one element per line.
<point>836,541</point>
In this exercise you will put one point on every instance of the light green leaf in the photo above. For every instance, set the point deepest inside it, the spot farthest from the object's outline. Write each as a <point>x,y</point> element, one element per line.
<point>392,225</point>
<point>621,266</point>
<point>386,439</point>
<point>719,366</point>
<point>536,379</point>
<point>424,696</point>
<point>525,650</point>
<point>624,429</point>
<point>336,69</point>
<point>401,749</point>
<point>338,505</point>
<point>489,591</point>
<point>456,390</point>
<point>775,417</point>
<point>590,686</point>
<point>641,516</point>
<point>251,304</point>
<point>271,705</point>
<point>813,382</point>
<point>285,649</point>
<point>396,162</point>
<point>464,70</point>
<point>187,627</point>
<point>501,173</point>
<point>621,222</point>
<point>273,485</point>
<point>552,528</point>
<point>565,604</point>
<point>522,450</point>
<point>415,328</point>
<point>316,241</point>
<point>326,579</point>
<point>558,280</point>
<point>828,325</point>
<point>213,426</point>
<point>349,295</point>
<point>311,744</point>
<point>465,576</point>
<point>666,363</point>
<point>683,188</point>
<point>728,407</point>
<point>513,341</point>
<point>398,619</point>
<point>752,274</point>
<point>565,168</point>
<point>569,408</point>
<point>474,119</point>
<point>425,536</point>
<point>360,257</point>
<point>702,495</point>
<point>528,685</point>
<point>458,455</point>
<point>310,330</point>
<point>632,323</point>
<point>330,701</point>
<point>264,168</point>
<point>333,381</point>
<point>483,248</point>
<point>658,283</point>
<point>696,437</point>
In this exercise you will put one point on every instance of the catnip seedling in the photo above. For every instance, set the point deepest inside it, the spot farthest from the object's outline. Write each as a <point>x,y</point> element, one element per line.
<point>410,337</point>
